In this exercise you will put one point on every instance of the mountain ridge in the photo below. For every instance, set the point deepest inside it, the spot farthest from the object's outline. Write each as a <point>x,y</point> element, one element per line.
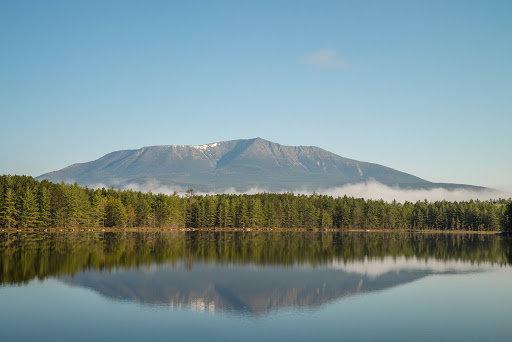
<point>238,164</point>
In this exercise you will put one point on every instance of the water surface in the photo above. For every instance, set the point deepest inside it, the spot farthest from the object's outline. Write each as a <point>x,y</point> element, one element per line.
<point>255,286</point>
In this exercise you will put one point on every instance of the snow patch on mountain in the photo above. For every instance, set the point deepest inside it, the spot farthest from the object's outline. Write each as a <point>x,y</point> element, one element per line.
<point>205,146</point>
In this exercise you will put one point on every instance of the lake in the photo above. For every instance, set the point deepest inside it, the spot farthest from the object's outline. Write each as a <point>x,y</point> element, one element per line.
<point>230,286</point>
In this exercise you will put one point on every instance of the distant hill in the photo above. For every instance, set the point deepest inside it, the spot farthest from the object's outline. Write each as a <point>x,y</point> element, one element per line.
<point>235,164</point>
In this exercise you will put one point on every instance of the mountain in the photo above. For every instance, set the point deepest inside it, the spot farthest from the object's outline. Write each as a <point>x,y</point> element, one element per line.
<point>235,164</point>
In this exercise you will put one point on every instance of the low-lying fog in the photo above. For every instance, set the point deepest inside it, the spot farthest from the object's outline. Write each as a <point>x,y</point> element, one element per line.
<point>366,190</point>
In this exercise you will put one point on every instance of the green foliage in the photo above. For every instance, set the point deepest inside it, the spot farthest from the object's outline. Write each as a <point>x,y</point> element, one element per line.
<point>8,211</point>
<point>26,202</point>
<point>144,215</point>
<point>28,212</point>
<point>508,216</point>
<point>98,203</point>
<point>44,207</point>
<point>115,213</point>
<point>257,218</point>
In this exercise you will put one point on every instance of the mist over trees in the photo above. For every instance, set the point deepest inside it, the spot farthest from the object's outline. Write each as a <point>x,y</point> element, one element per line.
<point>28,203</point>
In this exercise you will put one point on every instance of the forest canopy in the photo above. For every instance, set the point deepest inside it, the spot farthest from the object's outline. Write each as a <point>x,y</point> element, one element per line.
<point>28,203</point>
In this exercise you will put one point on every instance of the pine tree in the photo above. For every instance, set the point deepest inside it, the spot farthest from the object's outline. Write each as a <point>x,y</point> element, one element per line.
<point>257,218</point>
<point>508,215</point>
<point>143,214</point>
<point>210,210</point>
<point>176,212</point>
<point>71,210</point>
<point>325,219</point>
<point>115,213</point>
<point>28,215</point>
<point>269,215</point>
<point>162,211</point>
<point>98,210</point>
<point>44,207</point>
<point>231,213</point>
<point>357,214</point>
<point>242,214</point>
<point>309,215</point>
<point>8,211</point>
<point>223,217</point>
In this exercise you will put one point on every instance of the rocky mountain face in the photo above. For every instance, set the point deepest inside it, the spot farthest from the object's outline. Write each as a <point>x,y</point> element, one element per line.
<point>235,164</point>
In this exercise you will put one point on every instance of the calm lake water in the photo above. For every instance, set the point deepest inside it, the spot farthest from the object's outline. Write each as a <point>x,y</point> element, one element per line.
<point>255,286</point>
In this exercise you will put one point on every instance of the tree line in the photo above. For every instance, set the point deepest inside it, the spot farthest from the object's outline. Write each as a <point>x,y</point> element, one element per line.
<point>28,203</point>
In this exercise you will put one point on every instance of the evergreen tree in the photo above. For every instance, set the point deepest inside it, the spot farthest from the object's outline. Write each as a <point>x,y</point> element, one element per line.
<point>325,219</point>
<point>508,217</point>
<point>176,211</point>
<point>242,214</point>
<point>8,210</point>
<point>210,208</point>
<point>115,213</point>
<point>130,215</point>
<point>231,213</point>
<point>143,214</point>
<point>98,210</point>
<point>358,218</point>
<point>224,217</point>
<point>162,211</point>
<point>67,205</point>
<point>269,212</point>
<point>70,210</point>
<point>309,215</point>
<point>28,214</point>
<point>44,207</point>
<point>256,213</point>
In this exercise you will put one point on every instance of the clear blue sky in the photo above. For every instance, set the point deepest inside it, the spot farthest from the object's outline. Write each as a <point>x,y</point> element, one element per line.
<point>421,86</point>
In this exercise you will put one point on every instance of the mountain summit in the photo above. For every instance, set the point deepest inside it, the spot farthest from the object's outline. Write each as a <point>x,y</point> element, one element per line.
<point>234,164</point>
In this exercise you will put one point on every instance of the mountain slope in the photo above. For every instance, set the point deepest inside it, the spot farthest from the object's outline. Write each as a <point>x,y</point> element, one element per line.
<point>239,164</point>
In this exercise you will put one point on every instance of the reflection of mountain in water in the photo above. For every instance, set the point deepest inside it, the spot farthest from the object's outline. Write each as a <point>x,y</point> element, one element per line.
<point>246,289</point>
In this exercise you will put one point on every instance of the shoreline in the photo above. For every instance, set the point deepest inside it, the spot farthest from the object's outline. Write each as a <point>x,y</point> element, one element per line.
<point>249,230</point>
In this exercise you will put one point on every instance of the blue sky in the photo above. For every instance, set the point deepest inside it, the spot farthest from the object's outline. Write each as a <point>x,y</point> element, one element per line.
<point>421,86</point>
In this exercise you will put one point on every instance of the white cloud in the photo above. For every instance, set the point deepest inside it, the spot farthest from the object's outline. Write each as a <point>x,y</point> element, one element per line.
<point>155,187</point>
<point>377,191</point>
<point>325,59</point>
<point>366,190</point>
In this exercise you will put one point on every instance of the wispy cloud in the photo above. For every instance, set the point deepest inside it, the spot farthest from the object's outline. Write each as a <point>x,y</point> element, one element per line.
<point>367,190</point>
<point>325,59</point>
<point>375,190</point>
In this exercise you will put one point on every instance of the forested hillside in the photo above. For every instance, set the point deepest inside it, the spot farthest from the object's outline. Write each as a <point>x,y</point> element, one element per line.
<point>28,203</point>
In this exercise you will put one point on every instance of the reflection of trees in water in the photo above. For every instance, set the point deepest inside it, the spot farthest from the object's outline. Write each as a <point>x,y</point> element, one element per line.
<point>27,256</point>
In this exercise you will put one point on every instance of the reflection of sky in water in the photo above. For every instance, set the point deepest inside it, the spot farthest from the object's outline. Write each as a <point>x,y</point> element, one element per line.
<point>473,306</point>
<point>376,267</point>
<point>238,297</point>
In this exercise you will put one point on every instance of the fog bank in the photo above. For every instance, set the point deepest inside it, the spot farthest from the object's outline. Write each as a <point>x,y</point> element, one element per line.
<point>366,190</point>
<point>375,190</point>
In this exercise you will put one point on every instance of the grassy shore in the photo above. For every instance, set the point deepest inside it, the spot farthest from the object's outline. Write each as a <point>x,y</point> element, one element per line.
<point>261,230</point>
